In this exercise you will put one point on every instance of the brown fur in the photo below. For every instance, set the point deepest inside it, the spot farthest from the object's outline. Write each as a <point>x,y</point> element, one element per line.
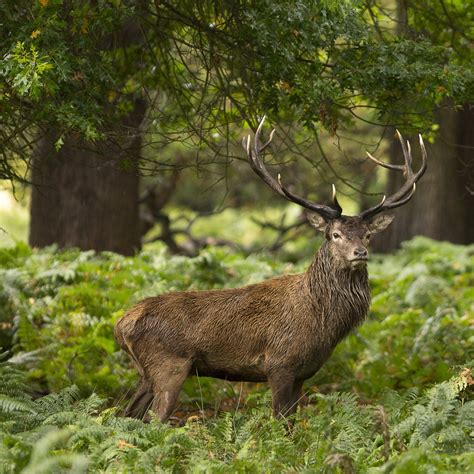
<point>280,330</point>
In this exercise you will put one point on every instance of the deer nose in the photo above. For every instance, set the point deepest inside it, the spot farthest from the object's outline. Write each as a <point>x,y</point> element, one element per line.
<point>361,252</point>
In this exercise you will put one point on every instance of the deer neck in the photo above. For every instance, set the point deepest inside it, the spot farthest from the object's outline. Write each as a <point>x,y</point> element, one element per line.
<point>339,294</point>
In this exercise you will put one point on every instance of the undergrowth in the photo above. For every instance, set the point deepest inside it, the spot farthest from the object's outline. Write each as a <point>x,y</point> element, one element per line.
<point>396,396</point>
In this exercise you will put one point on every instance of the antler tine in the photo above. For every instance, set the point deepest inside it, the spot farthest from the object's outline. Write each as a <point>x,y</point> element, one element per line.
<point>389,166</point>
<point>409,158</point>
<point>257,164</point>
<point>246,144</point>
<point>257,134</point>
<point>259,148</point>
<point>406,149</point>
<point>424,157</point>
<point>406,192</point>
<point>375,209</point>
<point>262,148</point>
<point>335,201</point>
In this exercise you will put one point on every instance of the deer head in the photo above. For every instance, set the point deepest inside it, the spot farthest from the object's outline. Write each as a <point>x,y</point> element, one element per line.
<point>346,236</point>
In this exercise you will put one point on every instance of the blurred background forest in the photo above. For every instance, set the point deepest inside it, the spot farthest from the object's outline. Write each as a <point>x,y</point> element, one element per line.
<point>122,176</point>
<point>122,121</point>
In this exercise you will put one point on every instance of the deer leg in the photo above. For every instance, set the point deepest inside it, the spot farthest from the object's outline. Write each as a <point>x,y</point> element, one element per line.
<point>141,401</point>
<point>296,395</point>
<point>168,379</point>
<point>282,385</point>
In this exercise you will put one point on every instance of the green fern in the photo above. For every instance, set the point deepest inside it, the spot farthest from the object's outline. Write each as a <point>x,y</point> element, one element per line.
<point>395,423</point>
<point>46,455</point>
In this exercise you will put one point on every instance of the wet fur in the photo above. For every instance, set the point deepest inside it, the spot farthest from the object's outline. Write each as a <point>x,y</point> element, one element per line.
<point>280,330</point>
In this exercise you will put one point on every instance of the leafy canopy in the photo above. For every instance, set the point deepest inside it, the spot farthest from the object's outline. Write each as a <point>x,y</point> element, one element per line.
<point>202,66</point>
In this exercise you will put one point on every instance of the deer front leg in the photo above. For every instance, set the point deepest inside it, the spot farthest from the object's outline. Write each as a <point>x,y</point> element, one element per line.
<point>282,385</point>
<point>296,395</point>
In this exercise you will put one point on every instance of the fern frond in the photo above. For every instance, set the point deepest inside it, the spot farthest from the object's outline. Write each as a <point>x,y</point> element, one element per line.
<point>71,463</point>
<point>88,436</point>
<point>10,405</point>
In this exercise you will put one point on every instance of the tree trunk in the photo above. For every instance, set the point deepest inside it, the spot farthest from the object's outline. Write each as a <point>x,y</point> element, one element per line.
<point>442,205</point>
<point>86,194</point>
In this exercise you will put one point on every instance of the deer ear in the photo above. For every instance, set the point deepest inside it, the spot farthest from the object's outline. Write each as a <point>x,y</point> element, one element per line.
<point>380,222</point>
<point>316,220</point>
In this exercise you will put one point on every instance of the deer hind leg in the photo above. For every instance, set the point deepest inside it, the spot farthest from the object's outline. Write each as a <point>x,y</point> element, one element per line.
<point>141,401</point>
<point>167,380</point>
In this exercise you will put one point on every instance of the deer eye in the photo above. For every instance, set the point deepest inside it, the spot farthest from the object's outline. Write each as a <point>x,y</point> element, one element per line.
<point>336,236</point>
<point>367,236</point>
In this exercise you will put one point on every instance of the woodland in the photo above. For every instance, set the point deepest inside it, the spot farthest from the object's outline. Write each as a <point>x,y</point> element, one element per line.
<point>122,176</point>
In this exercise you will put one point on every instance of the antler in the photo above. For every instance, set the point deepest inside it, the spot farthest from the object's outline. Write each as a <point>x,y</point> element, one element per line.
<point>257,164</point>
<point>405,193</point>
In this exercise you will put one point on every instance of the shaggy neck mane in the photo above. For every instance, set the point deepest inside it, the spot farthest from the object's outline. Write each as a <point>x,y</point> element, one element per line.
<point>341,296</point>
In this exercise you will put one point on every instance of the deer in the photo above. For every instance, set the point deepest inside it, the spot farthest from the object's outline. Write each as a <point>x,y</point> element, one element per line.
<point>280,330</point>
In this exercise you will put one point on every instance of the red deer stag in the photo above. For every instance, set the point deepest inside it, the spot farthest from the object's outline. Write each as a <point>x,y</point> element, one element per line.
<point>280,330</point>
